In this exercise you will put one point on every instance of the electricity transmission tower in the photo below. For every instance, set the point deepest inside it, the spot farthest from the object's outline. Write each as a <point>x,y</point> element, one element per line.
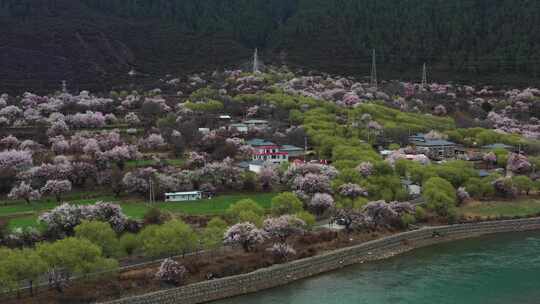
<point>373,81</point>
<point>424,77</point>
<point>256,61</point>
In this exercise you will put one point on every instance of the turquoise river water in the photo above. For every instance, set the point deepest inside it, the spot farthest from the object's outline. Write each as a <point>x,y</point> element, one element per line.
<point>494,269</point>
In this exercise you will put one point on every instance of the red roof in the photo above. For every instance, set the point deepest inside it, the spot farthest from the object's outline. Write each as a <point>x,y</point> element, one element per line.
<point>271,153</point>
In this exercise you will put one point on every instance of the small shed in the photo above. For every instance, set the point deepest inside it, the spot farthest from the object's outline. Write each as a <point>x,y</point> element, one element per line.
<point>183,196</point>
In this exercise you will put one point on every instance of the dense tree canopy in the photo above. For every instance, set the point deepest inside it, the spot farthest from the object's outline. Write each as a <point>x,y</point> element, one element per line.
<point>469,38</point>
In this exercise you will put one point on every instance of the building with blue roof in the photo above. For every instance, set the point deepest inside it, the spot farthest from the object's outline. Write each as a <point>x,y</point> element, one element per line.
<point>437,149</point>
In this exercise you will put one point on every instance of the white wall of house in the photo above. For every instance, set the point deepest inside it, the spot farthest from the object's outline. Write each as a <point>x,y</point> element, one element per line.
<point>183,196</point>
<point>255,168</point>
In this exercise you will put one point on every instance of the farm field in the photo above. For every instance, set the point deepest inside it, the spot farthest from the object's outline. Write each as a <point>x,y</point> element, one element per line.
<point>20,214</point>
<point>517,207</point>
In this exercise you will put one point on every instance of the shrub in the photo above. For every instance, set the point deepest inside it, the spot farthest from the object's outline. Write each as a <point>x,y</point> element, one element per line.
<point>407,220</point>
<point>154,216</point>
<point>420,213</point>
<point>281,251</point>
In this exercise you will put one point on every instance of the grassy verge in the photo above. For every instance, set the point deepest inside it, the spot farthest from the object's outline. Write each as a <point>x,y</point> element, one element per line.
<point>518,207</point>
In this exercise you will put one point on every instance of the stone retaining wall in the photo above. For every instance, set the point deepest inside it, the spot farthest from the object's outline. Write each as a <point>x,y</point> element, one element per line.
<point>284,273</point>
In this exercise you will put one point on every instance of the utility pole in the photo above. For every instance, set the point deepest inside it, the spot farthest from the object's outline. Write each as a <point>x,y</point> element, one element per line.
<point>424,77</point>
<point>373,81</point>
<point>151,188</point>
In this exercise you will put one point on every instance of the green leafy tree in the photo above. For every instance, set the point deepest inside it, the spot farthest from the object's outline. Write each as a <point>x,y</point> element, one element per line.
<point>72,256</point>
<point>212,235</point>
<point>101,234</point>
<point>173,237</point>
<point>440,195</point>
<point>523,183</point>
<point>479,188</point>
<point>129,243</point>
<point>20,265</point>
<point>251,217</point>
<point>245,205</point>
<point>286,203</point>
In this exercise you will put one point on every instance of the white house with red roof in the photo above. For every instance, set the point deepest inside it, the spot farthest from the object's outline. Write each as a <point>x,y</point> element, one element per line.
<point>268,151</point>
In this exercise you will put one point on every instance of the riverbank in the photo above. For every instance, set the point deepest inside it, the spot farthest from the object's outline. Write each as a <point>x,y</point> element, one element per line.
<point>285,273</point>
<point>497,269</point>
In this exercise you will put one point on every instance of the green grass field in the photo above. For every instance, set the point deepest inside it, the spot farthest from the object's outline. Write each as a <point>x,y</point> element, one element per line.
<point>23,215</point>
<point>519,207</point>
<point>150,162</point>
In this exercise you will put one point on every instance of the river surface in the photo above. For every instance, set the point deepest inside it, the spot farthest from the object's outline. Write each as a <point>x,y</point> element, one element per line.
<point>495,269</point>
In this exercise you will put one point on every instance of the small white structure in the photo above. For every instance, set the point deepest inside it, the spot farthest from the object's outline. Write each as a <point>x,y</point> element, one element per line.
<point>204,131</point>
<point>255,166</point>
<point>183,196</point>
<point>414,190</point>
<point>256,123</point>
<point>240,127</point>
<point>386,153</point>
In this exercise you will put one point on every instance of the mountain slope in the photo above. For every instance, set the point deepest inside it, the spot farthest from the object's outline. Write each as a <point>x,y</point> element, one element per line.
<point>94,43</point>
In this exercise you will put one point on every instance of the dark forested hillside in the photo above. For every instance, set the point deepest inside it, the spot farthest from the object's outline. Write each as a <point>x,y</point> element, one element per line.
<point>94,42</point>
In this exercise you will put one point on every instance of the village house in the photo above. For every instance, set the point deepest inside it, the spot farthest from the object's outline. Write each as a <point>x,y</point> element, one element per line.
<point>239,127</point>
<point>268,151</point>
<point>257,123</point>
<point>436,149</point>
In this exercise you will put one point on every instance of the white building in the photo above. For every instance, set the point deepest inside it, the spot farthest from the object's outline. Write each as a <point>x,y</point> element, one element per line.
<point>204,131</point>
<point>256,123</point>
<point>183,196</point>
<point>240,127</point>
